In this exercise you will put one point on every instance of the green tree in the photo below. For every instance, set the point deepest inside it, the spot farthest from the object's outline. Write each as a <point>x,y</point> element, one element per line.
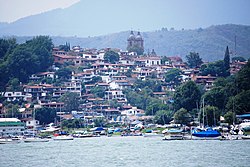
<point>99,122</point>
<point>111,57</point>
<point>96,79</point>
<point>72,123</point>
<point>229,117</point>
<point>64,73</point>
<point>164,59</point>
<point>45,115</point>
<point>211,115</point>
<point>227,62</point>
<point>187,96</point>
<point>70,100</point>
<point>163,117</point>
<point>98,91</point>
<point>214,69</point>
<point>152,84</point>
<point>243,78</point>
<point>173,76</point>
<point>182,117</point>
<point>239,103</point>
<point>41,48</point>
<point>142,98</point>
<point>7,46</point>
<point>216,97</point>
<point>155,105</point>
<point>14,84</point>
<point>114,103</point>
<point>22,59</point>
<point>193,60</point>
<point>4,77</point>
<point>65,47</point>
<point>129,72</point>
<point>12,111</point>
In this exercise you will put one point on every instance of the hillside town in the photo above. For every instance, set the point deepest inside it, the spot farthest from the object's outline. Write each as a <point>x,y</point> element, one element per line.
<point>99,82</point>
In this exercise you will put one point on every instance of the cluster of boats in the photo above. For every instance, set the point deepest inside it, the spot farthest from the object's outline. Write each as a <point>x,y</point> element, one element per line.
<point>30,139</point>
<point>241,131</point>
<point>202,134</point>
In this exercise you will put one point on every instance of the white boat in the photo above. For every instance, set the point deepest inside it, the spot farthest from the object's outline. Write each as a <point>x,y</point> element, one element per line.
<point>174,134</point>
<point>245,124</point>
<point>153,134</point>
<point>173,137</point>
<point>63,137</point>
<point>8,141</point>
<point>51,128</point>
<point>35,139</point>
<point>245,137</point>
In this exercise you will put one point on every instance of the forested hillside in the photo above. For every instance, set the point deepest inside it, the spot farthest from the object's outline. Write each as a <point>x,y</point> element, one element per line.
<point>210,43</point>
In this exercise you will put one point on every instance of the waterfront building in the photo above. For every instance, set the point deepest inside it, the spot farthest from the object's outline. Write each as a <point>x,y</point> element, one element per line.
<point>11,126</point>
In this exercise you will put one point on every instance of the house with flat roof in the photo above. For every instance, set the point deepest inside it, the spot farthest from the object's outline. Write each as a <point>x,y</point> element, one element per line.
<point>11,126</point>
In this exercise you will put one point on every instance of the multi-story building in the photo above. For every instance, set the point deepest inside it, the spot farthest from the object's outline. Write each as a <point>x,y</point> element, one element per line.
<point>11,126</point>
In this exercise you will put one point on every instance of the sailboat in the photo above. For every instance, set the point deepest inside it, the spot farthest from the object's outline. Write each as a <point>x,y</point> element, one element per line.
<point>205,133</point>
<point>34,138</point>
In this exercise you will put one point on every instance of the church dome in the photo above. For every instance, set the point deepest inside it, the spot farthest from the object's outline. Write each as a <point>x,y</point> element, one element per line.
<point>131,36</point>
<point>138,37</point>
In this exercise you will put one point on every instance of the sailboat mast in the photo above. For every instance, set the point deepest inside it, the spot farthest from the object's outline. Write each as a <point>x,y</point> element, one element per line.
<point>203,121</point>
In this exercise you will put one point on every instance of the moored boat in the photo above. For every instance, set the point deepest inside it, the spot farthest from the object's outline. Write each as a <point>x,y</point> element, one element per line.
<point>63,137</point>
<point>35,139</point>
<point>245,137</point>
<point>206,134</point>
<point>151,133</point>
<point>8,141</point>
<point>174,134</point>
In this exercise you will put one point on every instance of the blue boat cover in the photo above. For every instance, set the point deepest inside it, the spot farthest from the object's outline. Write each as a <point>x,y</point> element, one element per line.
<point>209,132</point>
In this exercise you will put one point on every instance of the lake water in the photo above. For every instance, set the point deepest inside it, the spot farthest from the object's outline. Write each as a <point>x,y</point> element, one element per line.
<point>126,152</point>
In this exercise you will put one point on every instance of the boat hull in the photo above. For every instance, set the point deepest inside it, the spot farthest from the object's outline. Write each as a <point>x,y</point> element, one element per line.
<point>9,141</point>
<point>63,138</point>
<point>208,133</point>
<point>152,135</point>
<point>35,140</point>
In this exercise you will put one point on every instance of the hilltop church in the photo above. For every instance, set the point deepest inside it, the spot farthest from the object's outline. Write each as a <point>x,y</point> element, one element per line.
<point>135,43</point>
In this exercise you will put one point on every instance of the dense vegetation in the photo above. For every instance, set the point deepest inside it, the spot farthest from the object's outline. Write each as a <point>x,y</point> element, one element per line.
<point>229,96</point>
<point>19,61</point>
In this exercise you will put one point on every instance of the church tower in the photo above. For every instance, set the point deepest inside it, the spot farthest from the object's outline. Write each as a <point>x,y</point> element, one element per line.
<point>135,43</point>
<point>131,40</point>
<point>139,40</point>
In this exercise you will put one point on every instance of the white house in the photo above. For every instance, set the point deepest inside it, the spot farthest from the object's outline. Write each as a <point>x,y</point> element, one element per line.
<point>32,123</point>
<point>13,96</point>
<point>133,111</point>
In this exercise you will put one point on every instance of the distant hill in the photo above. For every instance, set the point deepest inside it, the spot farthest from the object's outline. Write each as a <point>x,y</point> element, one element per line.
<point>210,42</point>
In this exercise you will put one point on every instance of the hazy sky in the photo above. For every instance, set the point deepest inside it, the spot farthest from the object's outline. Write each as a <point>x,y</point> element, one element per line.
<point>108,16</point>
<point>11,10</point>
